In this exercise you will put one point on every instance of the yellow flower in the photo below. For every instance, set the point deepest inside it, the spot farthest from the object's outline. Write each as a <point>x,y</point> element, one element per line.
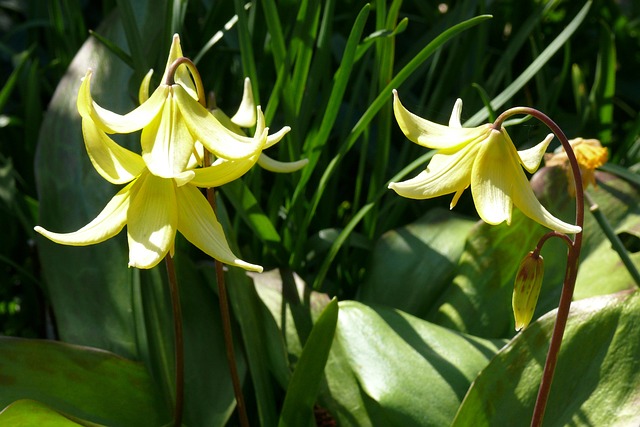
<point>590,155</point>
<point>152,207</point>
<point>526,289</point>
<point>484,158</point>
<point>161,196</point>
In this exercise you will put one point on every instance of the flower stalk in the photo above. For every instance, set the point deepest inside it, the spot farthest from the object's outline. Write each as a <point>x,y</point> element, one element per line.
<point>179,341</point>
<point>573,257</point>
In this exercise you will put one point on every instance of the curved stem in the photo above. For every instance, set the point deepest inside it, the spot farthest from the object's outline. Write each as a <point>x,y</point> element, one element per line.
<point>226,321</point>
<point>572,263</point>
<point>170,79</point>
<point>179,341</point>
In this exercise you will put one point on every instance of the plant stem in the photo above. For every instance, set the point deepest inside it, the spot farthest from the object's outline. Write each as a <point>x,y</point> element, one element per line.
<point>226,324</point>
<point>573,258</point>
<point>616,244</point>
<point>179,341</point>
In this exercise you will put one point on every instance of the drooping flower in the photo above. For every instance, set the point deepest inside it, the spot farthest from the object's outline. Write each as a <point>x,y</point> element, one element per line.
<point>526,289</point>
<point>482,157</point>
<point>590,155</point>
<point>161,196</point>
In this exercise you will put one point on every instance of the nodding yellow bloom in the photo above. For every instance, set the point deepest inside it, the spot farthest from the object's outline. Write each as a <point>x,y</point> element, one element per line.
<point>590,155</point>
<point>484,158</point>
<point>526,289</point>
<point>161,196</point>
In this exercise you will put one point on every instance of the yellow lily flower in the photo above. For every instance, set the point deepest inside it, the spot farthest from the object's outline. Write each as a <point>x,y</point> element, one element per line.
<point>161,196</point>
<point>153,208</point>
<point>483,158</point>
<point>590,155</point>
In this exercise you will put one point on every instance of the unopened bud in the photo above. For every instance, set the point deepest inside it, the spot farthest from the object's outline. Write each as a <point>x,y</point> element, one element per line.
<point>526,289</point>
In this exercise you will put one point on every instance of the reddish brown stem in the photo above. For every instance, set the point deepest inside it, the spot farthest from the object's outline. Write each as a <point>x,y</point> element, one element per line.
<point>179,341</point>
<point>572,263</point>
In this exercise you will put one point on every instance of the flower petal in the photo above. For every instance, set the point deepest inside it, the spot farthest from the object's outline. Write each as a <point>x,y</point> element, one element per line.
<point>222,171</point>
<point>214,136</point>
<point>166,142</point>
<point>532,157</point>
<point>198,224</point>
<point>182,76</point>
<point>433,135</point>
<point>143,92</point>
<point>492,177</point>
<point>525,200</point>
<point>113,162</point>
<point>446,173</point>
<point>107,224</point>
<point>272,165</point>
<point>152,220</point>
<point>111,122</point>
<point>246,115</point>
<point>454,120</point>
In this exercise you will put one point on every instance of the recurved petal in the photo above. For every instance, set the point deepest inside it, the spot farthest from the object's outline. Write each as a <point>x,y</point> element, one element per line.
<point>454,120</point>
<point>107,224</point>
<point>433,135</point>
<point>198,224</point>
<point>446,173</point>
<point>113,162</point>
<point>246,115</point>
<point>273,165</point>
<point>143,91</point>
<point>166,142</point>
<point>111,122</point>
<point>152,220</point>
<point>214,136</point>
<point>182,75</point>
<point>527,202</point>
<point>494,169</point>
<point>532,157</point>
<point>222,171</point>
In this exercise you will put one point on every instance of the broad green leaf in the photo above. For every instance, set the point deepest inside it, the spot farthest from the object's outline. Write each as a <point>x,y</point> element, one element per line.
<point>411,266</point>
<point>89,287</point>
<point>297,409</point>
<point>389,368</point>
<point>27,412</point>
<point>84,382</point>
<point>596,382</point>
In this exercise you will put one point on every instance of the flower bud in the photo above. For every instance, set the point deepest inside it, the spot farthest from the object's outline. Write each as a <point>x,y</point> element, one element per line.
<point>526,289</point>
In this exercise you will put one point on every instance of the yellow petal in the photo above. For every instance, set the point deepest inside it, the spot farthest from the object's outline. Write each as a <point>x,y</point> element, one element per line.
<point>454,120</point>
<point>166,142</point>
<point>107,224</point>
<point>433,135</point>
<point>113,162</point>
<point>214,136</point>
<point>221,172</point>
<point>272,165</point>
<point>246,115</point>
<point>182,75</point>
<point>492,179</point>
<point>143,92</point>
<point>198,224</point>
<point>446,173</point>
<point>152,220</point>
<point>274,138</point>
<point>532,157</point>
<point>111,122</point>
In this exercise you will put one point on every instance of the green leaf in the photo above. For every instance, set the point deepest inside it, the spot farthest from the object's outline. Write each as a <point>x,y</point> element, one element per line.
<point>84,382</point>
<point>297,409</point>
<point>389,368</point>
<point>29,412</point>
<point>411,266</point>
<point>597,380</point>
<point>532,69</point>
